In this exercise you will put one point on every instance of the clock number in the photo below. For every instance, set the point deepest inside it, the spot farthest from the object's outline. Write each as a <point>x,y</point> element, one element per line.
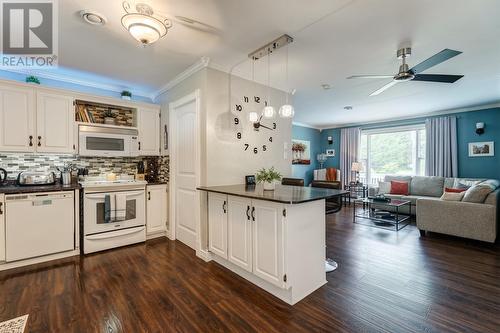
<point>255,150</point>
<point>239,107</point>
<point>236,121</point>
<point>274,125</point>
<point>245,99</point>
<point>246,146</point>
<point>264,147</point>
<point>256,99</point>
<point>270,139</point>
<point>238,135</point>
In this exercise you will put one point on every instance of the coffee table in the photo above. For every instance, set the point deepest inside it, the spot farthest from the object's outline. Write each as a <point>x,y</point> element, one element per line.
<point>385,215</point>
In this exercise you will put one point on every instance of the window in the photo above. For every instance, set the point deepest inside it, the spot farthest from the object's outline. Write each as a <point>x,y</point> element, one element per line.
<point>392,151</point>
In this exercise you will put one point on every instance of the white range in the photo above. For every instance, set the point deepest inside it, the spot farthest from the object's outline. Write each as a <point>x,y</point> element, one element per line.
<point>113,212</point>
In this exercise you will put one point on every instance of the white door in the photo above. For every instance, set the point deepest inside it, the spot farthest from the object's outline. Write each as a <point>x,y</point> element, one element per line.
<point>185,169</point>
<point>268,261</point>
<point>2,228</point>
<point>149,132</point>
<point>55,123</point>
<point>17,118</point>
<point>156,205</point>
<point>217,224</point>
<point>240,232</point>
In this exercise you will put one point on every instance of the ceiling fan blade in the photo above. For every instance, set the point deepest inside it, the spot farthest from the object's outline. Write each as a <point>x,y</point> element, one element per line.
<point>371,77</point>
<point>437,78</point>
<point>434,60</point>
<point>384,88</point>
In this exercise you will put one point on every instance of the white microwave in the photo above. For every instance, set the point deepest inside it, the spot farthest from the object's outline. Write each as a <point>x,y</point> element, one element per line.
<point>95,140</point>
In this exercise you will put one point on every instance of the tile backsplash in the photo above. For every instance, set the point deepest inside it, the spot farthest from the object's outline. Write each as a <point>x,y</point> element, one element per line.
<point>17,162</point>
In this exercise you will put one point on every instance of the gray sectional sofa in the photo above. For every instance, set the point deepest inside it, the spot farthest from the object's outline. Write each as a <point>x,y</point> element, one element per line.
<point>464,219</point>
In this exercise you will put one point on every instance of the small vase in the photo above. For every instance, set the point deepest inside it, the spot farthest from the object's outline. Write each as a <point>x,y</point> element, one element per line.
<point>269,186</point>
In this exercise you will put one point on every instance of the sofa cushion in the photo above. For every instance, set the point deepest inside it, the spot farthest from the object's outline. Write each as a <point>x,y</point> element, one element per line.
<point>399,179</point>
<point>478,193</point>
<point>384,187</point>
<point>452,196</point>
<point>401,188</point>
<point>493,182</point>
<point>466,182</point>
<point>454,190</point>
<point>427,186</point>
<point>413,198</point>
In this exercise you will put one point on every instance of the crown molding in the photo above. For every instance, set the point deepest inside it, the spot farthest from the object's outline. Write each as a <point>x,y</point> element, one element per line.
<point>203,62</point>
<point>295,123</point>
<point>69,79</point>
<point>423,115</point>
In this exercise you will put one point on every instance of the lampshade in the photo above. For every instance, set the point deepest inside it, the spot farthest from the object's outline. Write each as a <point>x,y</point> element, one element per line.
<point>143,25</point>
<point>287,111</point>
<point>268,112</point>
<point>356,166</point>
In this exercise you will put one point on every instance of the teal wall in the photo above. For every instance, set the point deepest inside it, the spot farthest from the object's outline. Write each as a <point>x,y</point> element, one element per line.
<point>312,135</point>
<point>474,167</point>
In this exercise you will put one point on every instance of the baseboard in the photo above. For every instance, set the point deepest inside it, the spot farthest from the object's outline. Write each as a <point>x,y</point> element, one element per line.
<point>38,260</point>
<point>204,254</point>
<point>156,235</point>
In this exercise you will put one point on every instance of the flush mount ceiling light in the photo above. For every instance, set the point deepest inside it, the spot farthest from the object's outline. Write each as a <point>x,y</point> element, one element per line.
<point>92,17</point>
<point>143,24</point>
<point>326,86</point>
<point>348,107</point>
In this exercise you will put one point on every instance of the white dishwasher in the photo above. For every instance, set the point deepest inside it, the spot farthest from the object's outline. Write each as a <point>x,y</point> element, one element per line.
<point>38,224</point>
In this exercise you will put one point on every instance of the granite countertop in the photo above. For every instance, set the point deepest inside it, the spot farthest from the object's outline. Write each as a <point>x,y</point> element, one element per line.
<point>282,193</point>
<point>12,188</point>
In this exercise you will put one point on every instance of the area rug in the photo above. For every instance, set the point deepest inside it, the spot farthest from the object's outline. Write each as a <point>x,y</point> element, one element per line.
<point>15,325</point>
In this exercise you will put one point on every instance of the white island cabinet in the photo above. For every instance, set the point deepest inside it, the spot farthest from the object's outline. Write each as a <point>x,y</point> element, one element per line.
<point>275,240</point>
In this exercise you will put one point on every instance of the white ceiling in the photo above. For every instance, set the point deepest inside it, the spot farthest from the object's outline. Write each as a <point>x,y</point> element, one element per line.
<point>333,39</point>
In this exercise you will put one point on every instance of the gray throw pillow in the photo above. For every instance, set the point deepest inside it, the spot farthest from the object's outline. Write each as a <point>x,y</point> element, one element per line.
<point>384,187</point>
<point>478,193</point>
<point>450,196</point>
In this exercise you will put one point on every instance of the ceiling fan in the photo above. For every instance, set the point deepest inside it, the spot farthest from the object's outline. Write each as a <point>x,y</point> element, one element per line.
<point>413,74</point>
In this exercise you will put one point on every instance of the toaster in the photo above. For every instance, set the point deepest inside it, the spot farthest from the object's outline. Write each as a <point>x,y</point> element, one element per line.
<point>30,178</point>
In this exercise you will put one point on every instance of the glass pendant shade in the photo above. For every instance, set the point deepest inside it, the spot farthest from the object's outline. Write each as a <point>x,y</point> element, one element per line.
<point>145,29</point>
<point>268,112</point>
<point>253,117</point>
<point>287,111</point>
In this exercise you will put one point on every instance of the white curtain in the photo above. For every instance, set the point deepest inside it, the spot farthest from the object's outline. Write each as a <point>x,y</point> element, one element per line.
<point>441,151</point>
<point>349,146</point>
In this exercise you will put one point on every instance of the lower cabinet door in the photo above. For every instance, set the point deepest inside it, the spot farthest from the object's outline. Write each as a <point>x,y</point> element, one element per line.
<point>239,229</point>
<point>217,224</point>
<point>156,208</point>
<point>268,252</point>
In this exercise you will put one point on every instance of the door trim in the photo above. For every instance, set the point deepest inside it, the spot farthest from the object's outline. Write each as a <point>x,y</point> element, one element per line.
<point>194,96</point>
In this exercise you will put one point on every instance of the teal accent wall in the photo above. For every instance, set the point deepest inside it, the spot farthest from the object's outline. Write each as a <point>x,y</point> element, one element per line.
<point>473,167</point>
<point>312,135</point>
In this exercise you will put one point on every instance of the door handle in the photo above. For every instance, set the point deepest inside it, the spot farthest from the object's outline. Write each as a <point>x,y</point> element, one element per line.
<point>248,213</point>
<point>149,195</point>
<point>224,206</point>
<point>253,213</point>
<point>39,140</point>
<point>31,140</point>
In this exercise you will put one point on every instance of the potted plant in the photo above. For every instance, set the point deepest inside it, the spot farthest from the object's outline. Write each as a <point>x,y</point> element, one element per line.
<point>268,178</point>
<point>109,117</point>
<point>32,79</point>
<point>126,95</point>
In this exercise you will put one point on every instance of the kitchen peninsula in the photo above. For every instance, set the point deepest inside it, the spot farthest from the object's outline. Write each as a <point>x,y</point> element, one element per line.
<point>274,239</point>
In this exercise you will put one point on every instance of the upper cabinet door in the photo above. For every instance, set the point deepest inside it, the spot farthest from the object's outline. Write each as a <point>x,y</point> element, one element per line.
<point>268,253</point>
<point>55,123</point>
<point>17,118</point>
<point>149,132</point>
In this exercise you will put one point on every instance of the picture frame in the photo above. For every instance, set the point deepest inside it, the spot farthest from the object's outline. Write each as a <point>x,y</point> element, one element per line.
<point>481,149</point>
<point>330,152</point>
<point>301,152</point>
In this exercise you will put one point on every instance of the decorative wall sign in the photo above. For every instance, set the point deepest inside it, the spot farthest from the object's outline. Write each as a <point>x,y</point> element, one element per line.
<point>301,152</point>
<point>480,149</point>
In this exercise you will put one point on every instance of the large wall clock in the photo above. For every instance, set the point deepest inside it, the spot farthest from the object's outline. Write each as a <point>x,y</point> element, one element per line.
<point>254,137</point>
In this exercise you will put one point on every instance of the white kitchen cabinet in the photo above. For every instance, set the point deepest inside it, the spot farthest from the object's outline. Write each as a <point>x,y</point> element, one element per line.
<point>217,228</point>
<point>268,242</point>
<point>149,131</point>
<point>239,229</point>
<point>2,228</point>
<point>156,209</point>
<point>55,123</point>
<point>17,118</point>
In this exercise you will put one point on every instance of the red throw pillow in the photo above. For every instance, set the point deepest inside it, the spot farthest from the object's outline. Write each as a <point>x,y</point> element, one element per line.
<point>454,190</point>
<point>400,188</point>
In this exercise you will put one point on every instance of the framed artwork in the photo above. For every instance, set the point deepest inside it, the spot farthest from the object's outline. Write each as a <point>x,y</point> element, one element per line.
<point>301,152</point>
<point>480,149</point>
<point>330,152</point>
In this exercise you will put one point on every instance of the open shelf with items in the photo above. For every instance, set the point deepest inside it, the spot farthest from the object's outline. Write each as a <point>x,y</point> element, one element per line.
<point>96,113</point>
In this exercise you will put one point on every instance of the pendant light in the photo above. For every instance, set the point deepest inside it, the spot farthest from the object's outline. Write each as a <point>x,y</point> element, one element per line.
<point>287,110</point>
<point>268,111</point>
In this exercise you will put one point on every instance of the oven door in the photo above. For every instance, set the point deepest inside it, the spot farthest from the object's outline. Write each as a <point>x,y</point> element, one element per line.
<point>104,144</point>
<point>97,217</point>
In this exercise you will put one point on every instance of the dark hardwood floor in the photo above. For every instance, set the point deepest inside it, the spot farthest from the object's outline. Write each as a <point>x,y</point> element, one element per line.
<point>386,282</point>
